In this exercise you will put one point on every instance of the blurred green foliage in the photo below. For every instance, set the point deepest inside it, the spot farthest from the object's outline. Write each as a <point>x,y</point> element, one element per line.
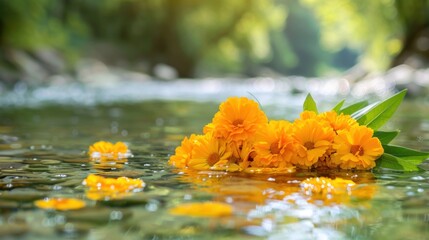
<point>305,37</point>
<point>383,30</point>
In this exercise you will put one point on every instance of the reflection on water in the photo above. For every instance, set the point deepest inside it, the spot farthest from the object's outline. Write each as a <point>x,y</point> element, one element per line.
<point>43,153</point>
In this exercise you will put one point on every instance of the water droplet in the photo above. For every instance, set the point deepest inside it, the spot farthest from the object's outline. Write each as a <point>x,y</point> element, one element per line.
<point>116,215</point>
<point>152,206</point>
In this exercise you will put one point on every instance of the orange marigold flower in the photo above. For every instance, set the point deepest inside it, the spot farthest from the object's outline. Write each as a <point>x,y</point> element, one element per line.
<point>108,150</point>
<point>356,149</point>
<point>314,139</point>
<point>274,146</point>
<point>62,204</point>
<point>208,128</point>
<point>101,187</point>
<point>184,152</point>
<point>323,186</point>
<point>338,122</point>
<point>238,119</point>
<point>305,115</point>
<point>204,209</point>
<point>336,190</point>
<point>210,153</point>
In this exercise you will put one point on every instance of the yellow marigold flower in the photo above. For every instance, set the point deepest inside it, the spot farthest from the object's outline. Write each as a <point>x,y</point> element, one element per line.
<point>209,128</point>
<point>62,204</point>
<point>305,115</point>
<point>356,149</point>
<point>274,146</point>
<point>238,119</point>
<point>324,186</point>
<point>314,139</point>
<point>204,209</point>
<point>184,152</point>
<point>338,122</point>
<point>101,187</point>
<point>210,153</point>
<point>108,150</point>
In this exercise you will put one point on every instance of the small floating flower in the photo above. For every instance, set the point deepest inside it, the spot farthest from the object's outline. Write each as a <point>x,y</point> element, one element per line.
<point>62,204</point>
<point>325,186</point>
<point>106,188</point>
<point>107,150</point>
<point>204,209</point>
<point>336,190</point>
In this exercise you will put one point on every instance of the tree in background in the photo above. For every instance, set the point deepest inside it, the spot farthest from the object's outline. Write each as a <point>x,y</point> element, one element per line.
<point>296,49</point>
<point>217,37</point>
<point>387,32</point>
<point>186,34</point>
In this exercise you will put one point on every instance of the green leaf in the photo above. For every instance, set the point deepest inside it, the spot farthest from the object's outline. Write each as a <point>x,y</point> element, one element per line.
<point>395,163</point>
<point>385,137</point>
<point>377,115</point>
<point>404,152</point>
<point>310,104</point>
<point>338,106</point>
<point>353,108</point>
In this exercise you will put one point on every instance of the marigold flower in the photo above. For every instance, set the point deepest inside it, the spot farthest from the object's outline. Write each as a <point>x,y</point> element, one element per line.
<point>107,150</point>
<point>210,153</point>
<point>238,119</point>
<point>209,128</point>
<point>62,204</point>
<point>314,139</point>
<point>356,149</point>
<point>338,122</point>
<point>101,187</point>
<point>204,209</point>
<point>184,152</point>
<point>324,186</point>
<point>305,115</point>
<point>274,146</point>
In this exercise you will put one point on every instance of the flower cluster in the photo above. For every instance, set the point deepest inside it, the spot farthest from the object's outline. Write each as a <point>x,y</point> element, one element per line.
<point>203,209</point>
<point>103,150</point>
<point>62,204</point>
<point>240,137</point>
<point>111,188</point>
<point>104,156</point>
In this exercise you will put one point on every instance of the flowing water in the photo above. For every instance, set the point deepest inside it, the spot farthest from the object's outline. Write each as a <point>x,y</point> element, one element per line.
<point>43,153</point>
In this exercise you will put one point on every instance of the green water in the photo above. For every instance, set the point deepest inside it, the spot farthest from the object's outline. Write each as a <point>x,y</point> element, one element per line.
<point>43,154</point>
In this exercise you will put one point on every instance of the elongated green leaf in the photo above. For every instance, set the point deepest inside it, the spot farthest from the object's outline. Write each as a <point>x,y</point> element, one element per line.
<point>385,137</point>
<point>353,108</point>
<point>310,104</point>
<point>376,116</point>
<point>338,106</point>
<point>395,163</point>
<point>404,152</point>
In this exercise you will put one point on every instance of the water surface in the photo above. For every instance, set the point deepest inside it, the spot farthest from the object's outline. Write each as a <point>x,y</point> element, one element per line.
<point>43,153</point>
